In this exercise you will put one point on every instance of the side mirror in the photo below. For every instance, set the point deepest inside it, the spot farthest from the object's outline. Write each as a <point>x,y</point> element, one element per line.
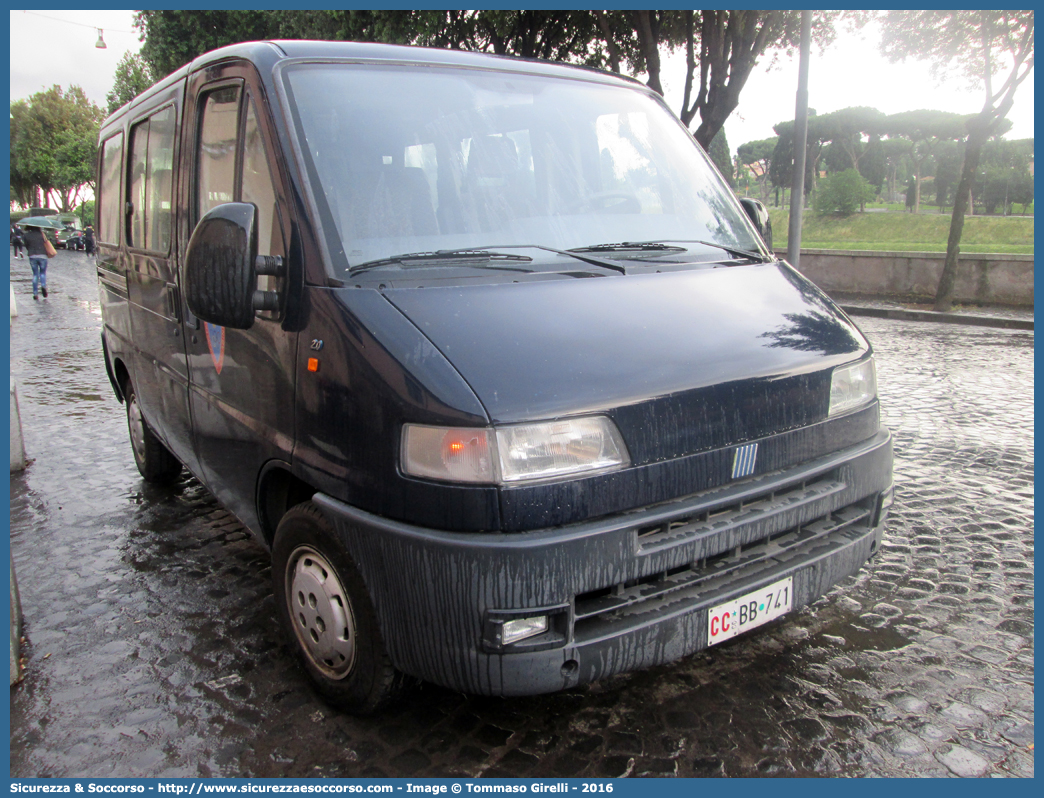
<point>220,277</point>
<point>759,215</point>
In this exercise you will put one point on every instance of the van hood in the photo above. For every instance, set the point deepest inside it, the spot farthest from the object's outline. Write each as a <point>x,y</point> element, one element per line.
<point>683,361</point>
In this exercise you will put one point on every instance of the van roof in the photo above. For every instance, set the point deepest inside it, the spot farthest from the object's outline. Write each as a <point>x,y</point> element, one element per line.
<point>265,54</point>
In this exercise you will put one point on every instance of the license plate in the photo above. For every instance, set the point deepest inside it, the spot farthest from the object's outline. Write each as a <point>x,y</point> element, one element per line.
<point>760,606</point>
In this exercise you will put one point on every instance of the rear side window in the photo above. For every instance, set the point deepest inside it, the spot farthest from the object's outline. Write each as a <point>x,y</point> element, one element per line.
<point>109,199</point>
<point>136,195</point>
<point>151,186</point>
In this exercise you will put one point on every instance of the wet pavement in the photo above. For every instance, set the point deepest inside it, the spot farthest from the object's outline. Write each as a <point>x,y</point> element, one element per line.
<point>153,648</point>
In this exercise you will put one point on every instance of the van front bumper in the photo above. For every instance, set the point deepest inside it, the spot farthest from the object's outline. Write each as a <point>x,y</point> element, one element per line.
<point>620,593</point>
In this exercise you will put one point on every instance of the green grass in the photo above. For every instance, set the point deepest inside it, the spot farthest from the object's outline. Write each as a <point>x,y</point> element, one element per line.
<point>906,232</point>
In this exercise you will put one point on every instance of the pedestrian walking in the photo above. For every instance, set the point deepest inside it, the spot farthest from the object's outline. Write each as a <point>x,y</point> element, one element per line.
<point>88,239</point>
<point>39,249</point>
<point>17,241</point>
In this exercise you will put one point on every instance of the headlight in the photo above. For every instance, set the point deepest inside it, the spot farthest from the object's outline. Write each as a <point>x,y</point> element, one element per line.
<point>559,448</point>
<point>852,386</point>
<point>513,454</point>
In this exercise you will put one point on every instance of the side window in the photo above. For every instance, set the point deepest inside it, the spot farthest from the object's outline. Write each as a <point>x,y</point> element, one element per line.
<point>218,141</point>
<point>150,184</point>
<point>161,185</point>
<point>139,149</point>
<point>109,199</point>
<point>258,186</point>
<point>233,166</point>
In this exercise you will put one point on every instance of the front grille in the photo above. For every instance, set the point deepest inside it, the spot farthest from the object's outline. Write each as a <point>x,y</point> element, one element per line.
<point>715,521</point>
<point>615,608</point>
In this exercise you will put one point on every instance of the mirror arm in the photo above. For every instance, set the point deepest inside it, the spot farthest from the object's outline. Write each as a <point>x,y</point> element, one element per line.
<point>266,300</point>
<point>269,264</point>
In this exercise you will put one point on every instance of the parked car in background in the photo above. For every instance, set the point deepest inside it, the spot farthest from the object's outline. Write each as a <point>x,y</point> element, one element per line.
<point>71,225</point>
<point>75,240</point>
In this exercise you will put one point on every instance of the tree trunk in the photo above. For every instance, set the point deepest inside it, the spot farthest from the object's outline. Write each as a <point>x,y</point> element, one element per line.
<point>944,294</point>
<point>610,43</point>
<point>647,28</point>
<point>917,188</point>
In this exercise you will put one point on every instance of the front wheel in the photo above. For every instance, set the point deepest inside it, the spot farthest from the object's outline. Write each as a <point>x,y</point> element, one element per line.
<point>327,613</point>
<point>155,463</point>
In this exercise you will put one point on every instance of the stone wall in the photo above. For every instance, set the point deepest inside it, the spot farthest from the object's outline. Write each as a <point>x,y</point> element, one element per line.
<point>981,279</point>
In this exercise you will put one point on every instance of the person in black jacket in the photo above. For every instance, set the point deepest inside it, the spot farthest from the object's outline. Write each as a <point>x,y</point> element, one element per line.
<point>88,239</point>
<point>34,244</point>
<point>17,241</point>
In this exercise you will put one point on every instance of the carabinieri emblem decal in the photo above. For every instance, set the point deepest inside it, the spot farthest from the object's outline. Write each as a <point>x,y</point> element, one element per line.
<point>216,344</point>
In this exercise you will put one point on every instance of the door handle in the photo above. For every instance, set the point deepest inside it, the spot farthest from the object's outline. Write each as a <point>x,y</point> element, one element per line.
<point>174,302</point>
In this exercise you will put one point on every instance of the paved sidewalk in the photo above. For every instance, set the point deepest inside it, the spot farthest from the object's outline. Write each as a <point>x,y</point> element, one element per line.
<point>971,315</point>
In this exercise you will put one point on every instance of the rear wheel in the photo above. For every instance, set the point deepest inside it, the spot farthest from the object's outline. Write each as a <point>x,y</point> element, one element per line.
<point>328,615</point>
<point>155,463</point>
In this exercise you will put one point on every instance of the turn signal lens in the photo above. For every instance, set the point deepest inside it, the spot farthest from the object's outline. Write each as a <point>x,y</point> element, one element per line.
<point>454,454</point>
<point>853,386</point>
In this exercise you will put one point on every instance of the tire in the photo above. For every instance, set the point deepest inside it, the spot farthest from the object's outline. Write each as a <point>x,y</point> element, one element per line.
<point>327,614</point>
<point>155,463</point>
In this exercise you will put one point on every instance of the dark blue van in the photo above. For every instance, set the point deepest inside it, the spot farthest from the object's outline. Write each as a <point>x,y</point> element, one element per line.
<point>489,356</point>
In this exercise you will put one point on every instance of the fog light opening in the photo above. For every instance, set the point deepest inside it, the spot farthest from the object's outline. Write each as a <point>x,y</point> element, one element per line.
<point>570,668</point>
<point>523,628</point>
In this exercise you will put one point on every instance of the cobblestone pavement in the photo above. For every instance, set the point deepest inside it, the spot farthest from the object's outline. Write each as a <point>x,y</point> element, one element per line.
<point>153,647</point>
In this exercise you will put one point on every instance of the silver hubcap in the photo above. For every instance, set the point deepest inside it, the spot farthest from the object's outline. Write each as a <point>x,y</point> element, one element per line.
<point>321,613</point>
<point>136,425</point>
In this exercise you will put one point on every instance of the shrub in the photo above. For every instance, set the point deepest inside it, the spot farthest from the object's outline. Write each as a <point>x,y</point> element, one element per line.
<point>842,193</point>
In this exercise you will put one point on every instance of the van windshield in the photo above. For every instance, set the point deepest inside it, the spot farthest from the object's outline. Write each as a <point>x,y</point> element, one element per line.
<point>419,160</point>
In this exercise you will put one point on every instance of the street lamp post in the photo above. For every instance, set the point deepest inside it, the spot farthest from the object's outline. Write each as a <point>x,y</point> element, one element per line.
<point>797,191</point>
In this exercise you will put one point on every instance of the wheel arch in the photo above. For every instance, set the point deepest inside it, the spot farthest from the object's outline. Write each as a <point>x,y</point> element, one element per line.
<point>277,491</point>
<point>116,371</point>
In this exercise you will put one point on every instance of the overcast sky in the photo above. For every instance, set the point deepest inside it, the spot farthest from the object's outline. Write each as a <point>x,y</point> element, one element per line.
<point>49,47</point>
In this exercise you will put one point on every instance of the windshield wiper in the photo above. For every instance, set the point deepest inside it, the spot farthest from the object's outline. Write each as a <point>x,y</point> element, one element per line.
<point>464,256</point>
<point>454,257</point>
<point>630,246</point>
<point>663,246</point>
<point>605,264</point>
<point>740,253</point>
